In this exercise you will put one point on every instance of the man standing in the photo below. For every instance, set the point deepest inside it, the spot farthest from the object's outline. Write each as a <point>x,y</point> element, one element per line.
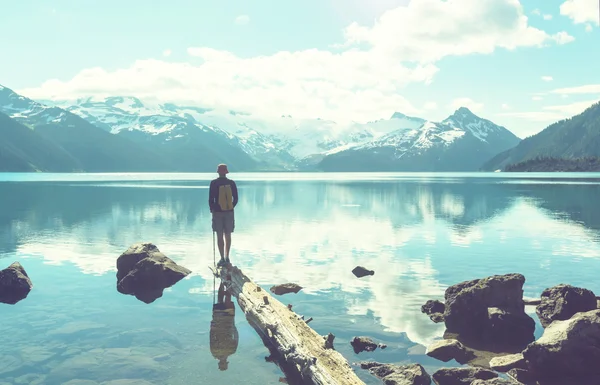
<point>222,199</point>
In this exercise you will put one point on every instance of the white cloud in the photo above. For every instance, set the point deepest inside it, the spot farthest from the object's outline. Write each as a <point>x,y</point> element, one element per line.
<point>589,28</point>
<point>537,98</point>
<point>563,38</point>
<point>580,90</point>
<point>547,78</point>
<point>547,17</point>
<point>505,106</point>
<point>362,82</point>
<point>430,106</point>
<point>242,20</point>
<point>551,114</point>
<point>466,102</point>
<point>167,53</point>
<point>581,11</point>
<point>536,12</point>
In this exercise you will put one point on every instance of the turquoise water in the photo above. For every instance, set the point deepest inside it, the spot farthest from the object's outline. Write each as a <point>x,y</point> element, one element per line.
<point>419,232</point>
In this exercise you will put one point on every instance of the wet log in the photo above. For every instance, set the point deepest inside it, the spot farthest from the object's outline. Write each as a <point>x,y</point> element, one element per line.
<point>300,349</point>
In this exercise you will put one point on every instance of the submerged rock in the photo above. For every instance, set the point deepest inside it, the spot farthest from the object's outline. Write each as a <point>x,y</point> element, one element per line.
<point>390,374</point>
<point>143,271</point>
<point>285,288</point>
<point>361,344</point>
<point>360,272</point>
<point>462,376</point>
<point>508,362</point>
<point>15,284</point>
<point>567,348</point>
<point>446,350</point>
<point>435,310</point>
<point>561,302</point>
<point>491,311</point>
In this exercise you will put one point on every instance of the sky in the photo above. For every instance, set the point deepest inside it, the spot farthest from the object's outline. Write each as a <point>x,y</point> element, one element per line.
<point>521,64</point>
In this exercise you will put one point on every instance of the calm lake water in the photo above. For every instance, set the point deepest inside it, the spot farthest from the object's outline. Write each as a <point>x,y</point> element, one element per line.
<point>419,232</point>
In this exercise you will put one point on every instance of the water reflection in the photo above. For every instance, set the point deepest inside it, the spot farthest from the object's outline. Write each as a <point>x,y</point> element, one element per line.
<point>223,333</point>
<point>418,236</point>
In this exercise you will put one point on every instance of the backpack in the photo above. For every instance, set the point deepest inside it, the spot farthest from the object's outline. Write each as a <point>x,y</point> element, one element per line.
<point>225,197</point>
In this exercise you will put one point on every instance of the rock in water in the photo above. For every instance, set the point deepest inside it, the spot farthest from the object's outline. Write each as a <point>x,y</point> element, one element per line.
<point>462,376</point>
<point>490,310</point>
<point>361,344</point>
<point>143,271</point>
<point>413,374</point>
<point>435,310</point>
<point>360,272</point>
<point>446,350</point>
<point>561,302</point>
<point>286,288</point>
<point>569,348</point>
<point>15,284</point>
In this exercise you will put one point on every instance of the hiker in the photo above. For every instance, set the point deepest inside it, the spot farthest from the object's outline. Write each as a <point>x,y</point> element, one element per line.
<point>222,199</point>
<point>223,333</point>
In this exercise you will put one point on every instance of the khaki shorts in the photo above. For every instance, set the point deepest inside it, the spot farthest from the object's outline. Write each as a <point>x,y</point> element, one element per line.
<point>223,221</point>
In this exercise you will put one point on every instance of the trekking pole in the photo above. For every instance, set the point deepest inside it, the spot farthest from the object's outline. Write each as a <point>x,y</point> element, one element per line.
<point>214,264</point>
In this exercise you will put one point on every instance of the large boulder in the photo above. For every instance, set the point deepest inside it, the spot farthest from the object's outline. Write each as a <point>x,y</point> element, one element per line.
<point>569,348</point>
<point>490,310</point>
<point>413,374</point>
<point>15,284</point>
<point>561,302</point>
<point>462,376</point>
<point>143,271</point>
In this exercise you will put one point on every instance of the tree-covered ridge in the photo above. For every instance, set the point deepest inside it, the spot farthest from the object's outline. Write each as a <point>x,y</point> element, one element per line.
<point>554,164</point>
<point>575,137</point>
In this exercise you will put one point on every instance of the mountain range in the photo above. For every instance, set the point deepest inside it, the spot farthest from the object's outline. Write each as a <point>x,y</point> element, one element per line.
<point>117,134</point>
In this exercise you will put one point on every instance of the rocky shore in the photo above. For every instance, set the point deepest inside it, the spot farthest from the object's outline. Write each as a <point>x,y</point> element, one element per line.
<point>488,330</point>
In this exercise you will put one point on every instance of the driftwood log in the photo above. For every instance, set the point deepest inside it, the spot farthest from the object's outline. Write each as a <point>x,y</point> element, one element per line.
<point>299,350</point>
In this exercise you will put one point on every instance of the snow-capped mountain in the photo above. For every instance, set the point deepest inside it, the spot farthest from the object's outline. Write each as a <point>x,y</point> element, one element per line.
<point>90,148</point>
<point>186,138</point>
<point>280,141</point>
<point>461,142</point>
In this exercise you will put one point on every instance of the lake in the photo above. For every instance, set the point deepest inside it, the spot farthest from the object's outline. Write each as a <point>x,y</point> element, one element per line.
<point>420,233</point>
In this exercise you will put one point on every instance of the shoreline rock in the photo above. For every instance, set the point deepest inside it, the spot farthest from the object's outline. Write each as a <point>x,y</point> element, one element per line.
<point>15,284</point>
<point>569,348</point>
<point>462,376</point>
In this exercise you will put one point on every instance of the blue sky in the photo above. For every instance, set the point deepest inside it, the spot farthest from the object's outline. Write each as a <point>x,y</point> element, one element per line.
<point>520,64</point>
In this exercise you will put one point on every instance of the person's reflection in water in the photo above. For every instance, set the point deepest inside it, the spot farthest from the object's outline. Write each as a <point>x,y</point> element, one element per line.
<point>223,333</point>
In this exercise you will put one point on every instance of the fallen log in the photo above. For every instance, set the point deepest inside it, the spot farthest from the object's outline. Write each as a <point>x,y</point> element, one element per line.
<point>300,349</point>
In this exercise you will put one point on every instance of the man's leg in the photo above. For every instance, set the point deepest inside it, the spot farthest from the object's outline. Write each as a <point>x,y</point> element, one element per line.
<point>229,225</point>
<point>221,245</point>
<point>227,245</point>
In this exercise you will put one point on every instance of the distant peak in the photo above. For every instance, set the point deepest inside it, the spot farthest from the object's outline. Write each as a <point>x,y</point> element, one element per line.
<point>463,111</point>
<point>400,115</point>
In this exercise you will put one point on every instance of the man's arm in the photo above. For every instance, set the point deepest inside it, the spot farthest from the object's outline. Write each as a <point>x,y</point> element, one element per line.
<point>234,193</point>
<point>211,195</point>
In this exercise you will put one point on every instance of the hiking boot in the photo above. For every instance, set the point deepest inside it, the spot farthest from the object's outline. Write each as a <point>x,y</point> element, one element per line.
<point>221,263</point>
<point>227,261</point>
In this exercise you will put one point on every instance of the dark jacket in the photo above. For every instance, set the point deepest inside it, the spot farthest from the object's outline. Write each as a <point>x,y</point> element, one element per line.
<point>222,195</point>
